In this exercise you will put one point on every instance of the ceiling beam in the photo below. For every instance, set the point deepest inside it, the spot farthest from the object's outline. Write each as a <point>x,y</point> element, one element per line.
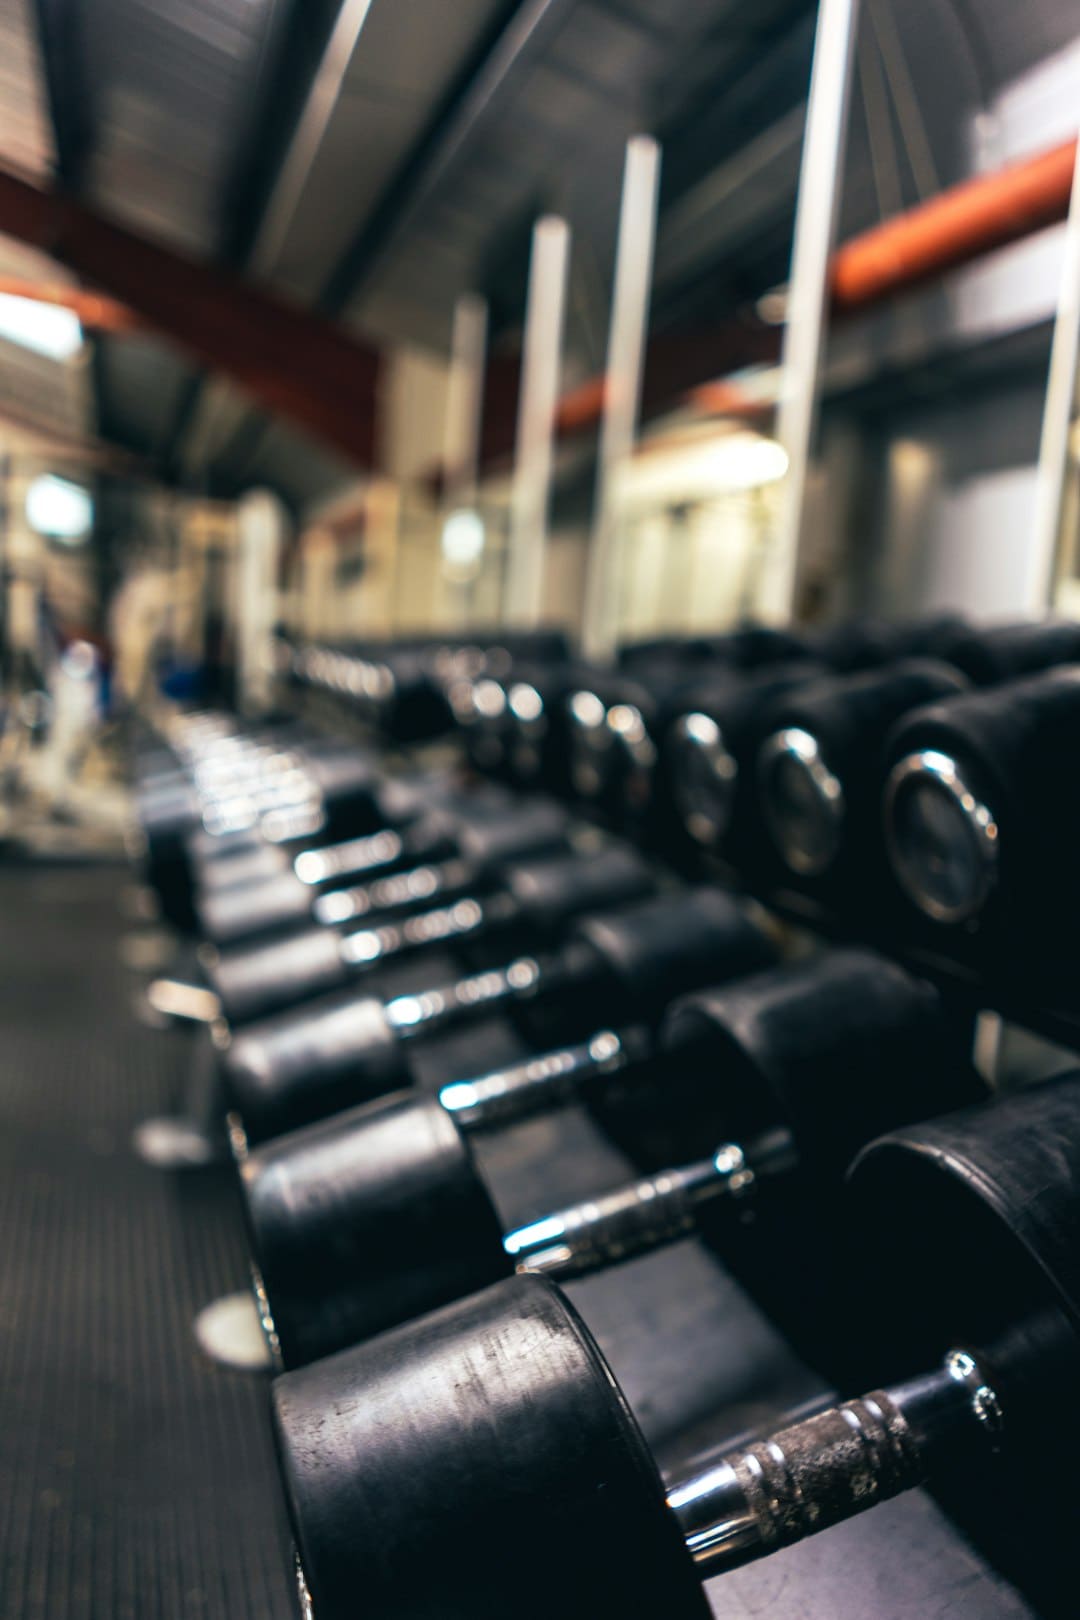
<point>292,362</point>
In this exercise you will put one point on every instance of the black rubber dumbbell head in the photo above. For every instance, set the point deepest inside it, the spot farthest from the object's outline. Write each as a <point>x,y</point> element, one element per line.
<point>820,768</point>
<point>980,809</point>
<point>495,1413</point>
<point>833,1050</point>
<point>976,1217</point>
<point>387,1193</point>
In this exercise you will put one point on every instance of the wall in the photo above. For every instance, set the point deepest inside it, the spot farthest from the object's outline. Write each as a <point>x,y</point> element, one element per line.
<point>948,483</point>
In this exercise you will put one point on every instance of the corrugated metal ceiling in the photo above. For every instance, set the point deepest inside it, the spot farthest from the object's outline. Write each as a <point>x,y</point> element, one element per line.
<point>417,192</point>
<point>169,83</point>
<point>34,391</point>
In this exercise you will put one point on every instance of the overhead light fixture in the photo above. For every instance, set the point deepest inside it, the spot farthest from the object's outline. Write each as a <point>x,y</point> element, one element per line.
<point>47,329</point>
<point>463,541</point>
<point>747,461</point>
<point>59,509</point>
<point>772,306</point>
<point>722,464</point>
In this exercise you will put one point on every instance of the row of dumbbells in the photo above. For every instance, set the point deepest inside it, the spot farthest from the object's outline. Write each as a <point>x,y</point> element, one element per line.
<point>415,1454</point>
<point>913,780</point>
<point>927,792</point>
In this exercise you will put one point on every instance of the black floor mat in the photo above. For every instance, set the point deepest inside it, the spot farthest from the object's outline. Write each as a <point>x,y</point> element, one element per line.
<point>137,1481</point>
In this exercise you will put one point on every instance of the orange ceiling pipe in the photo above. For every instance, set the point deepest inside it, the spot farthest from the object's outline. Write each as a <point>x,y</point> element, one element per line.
<point>959,225</point>
<point>581,407</point>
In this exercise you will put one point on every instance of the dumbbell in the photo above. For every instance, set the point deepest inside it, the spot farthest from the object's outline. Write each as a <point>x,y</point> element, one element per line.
<point>402,689</point>
<point>708,754</point>
<point>393,688</point>
<point>991,653</point>
<point>515,727</point>
<point>389,803</point>
<point>380,1214</point>
<point>856,645</point>
<point>981,807</point>
<point>297,788</point>
<point>612,730</point>
<point>448,843</point>
<point>819,772</point>
<point>422,1467</point>
<point>749,647</point>
<point>333,792</point>
<point>524,901</point>
<point>521,726</point>
<point>319,1059</point>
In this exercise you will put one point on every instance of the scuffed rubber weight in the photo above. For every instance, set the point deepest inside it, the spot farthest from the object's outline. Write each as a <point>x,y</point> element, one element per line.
<point>989,1243</point>
<point>990,654</point>
<point>782,1063</point>
<point>494,1413</point>
<point>864,644</point>
<point>387,1194</point>
<point>301,1066</point>
<point>657,948</point>
<point>278,900</point>
<point>981,808</point>
<point>516,726</point>
<point>709,752</point>
<point>268,904</point>
<point>536,898</point>
<point>820,769</point>
<point>834,1049</point>
<point>165,814</point>
<point>532,827</point>
<point>264,864</point>
<point>455,1419</point>
<point>249,983</point>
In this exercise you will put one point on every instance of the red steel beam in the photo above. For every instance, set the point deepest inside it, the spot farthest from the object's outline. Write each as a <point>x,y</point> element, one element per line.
<point>293,363</point>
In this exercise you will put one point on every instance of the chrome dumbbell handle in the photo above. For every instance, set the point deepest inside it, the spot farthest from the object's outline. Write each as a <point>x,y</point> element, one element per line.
<point>631,1220</point>
<point>527,1088</point>
<point>833,1465</point>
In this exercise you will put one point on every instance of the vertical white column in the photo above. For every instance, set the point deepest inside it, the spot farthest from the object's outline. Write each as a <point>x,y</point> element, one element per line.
<point>534,454</point>
<point>622,393</point>
<point>463,537</point>
<point>1045,553</point>
<point>820,179</point>
<point>261,530</point>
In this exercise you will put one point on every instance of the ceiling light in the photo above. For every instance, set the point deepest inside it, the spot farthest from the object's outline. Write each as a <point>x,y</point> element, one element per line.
<point>59,509</point>
<point>47,329</point>
<point>463,539</point>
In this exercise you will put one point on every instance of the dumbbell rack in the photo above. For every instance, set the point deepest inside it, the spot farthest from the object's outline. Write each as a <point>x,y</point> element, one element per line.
<point>701,1362</point>
<point>681,1331</point>
<point>709,1348</point>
